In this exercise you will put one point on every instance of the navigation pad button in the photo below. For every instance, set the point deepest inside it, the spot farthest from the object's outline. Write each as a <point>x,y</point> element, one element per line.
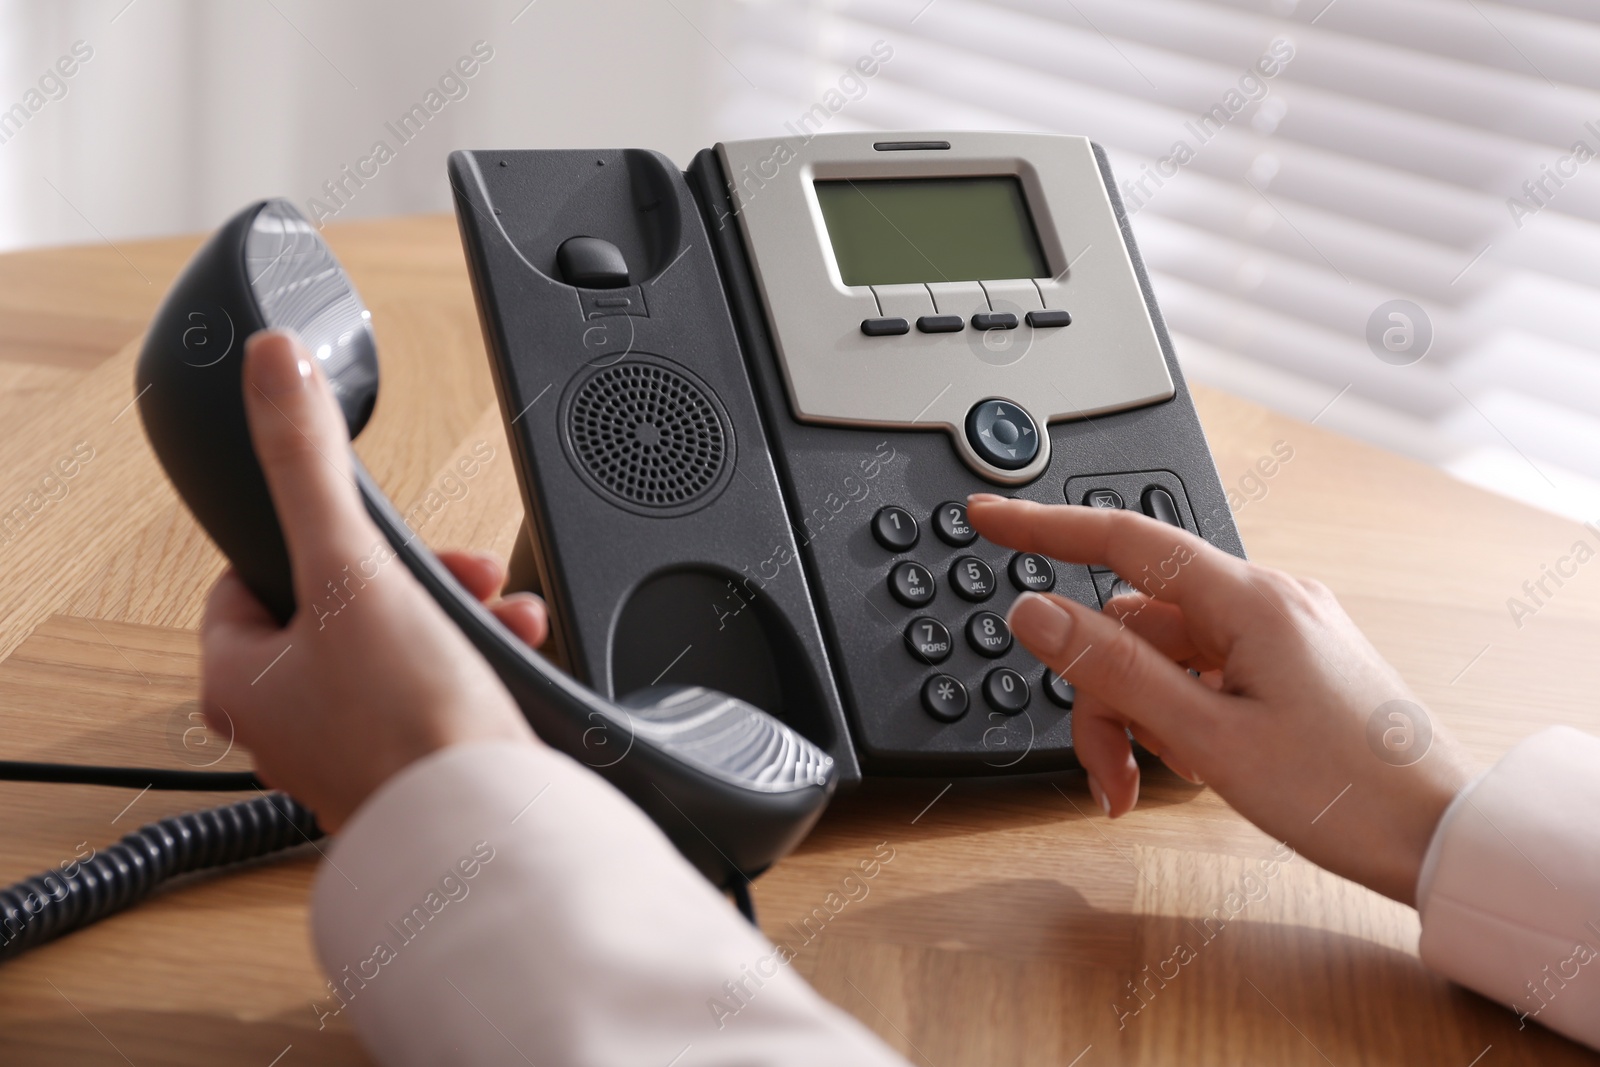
<point>1002,434</point>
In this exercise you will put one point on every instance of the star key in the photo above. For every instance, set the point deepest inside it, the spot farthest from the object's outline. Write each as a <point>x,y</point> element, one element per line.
<point>944,697</point>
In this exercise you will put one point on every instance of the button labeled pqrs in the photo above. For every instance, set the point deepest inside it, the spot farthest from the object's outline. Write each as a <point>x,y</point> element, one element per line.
<point>928,640</point>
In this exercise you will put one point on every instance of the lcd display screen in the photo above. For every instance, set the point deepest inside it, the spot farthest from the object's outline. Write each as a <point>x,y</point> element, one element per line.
<point>899,230</point>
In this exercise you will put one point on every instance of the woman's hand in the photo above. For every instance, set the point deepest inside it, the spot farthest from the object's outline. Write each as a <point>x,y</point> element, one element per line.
<point>369,675</point>
<point>1277,723</point>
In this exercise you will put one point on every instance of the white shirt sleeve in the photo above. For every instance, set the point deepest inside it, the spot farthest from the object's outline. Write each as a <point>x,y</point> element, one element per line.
<point>1510,889</point>
<point>499,903</point>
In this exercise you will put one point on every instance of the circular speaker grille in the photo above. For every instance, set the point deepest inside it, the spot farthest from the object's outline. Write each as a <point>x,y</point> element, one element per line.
<point>648,435</point>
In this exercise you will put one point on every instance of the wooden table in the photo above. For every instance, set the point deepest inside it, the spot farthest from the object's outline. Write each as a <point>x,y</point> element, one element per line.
<point>1010,922</point>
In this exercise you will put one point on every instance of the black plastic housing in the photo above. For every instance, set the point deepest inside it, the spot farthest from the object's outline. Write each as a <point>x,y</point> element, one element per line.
<point>1162,444</point>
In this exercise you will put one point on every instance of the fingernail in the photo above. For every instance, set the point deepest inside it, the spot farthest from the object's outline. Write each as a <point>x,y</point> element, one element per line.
<point>1185,773</point>
<point>1100,796</point>
<point>1041,624</point>
<point>984,498</point>
<point>279,370</point>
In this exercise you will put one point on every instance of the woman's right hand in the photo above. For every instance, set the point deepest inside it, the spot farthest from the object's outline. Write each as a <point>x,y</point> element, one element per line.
<point>1278,721</point>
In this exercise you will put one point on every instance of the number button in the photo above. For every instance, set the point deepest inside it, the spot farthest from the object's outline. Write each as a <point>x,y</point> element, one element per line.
<point>1059,690</point>
<point>928,640</point>
<point>972,578</point>
<point>988,634</point>
<point>911,584</point>
<point>1032,573</point>
<point>944,698</point>
<point>894,528</point>
<point>1006,690</point>
<point>951,522</point>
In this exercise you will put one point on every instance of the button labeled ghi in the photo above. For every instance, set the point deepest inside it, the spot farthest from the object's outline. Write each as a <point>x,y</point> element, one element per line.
<point>911,584</point>
<point>1002,434</point>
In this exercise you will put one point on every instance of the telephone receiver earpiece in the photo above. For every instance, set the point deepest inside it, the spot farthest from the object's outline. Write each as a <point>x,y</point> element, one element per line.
<point>734,788</point>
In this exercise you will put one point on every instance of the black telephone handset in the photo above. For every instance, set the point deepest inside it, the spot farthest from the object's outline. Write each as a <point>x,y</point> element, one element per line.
<point>731,786</point>
<point>747,403</point>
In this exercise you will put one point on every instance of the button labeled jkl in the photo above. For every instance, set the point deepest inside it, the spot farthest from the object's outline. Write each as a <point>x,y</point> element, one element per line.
<point>972,578</point>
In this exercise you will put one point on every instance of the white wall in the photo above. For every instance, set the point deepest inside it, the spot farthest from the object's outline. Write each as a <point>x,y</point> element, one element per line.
<point>188,109</point>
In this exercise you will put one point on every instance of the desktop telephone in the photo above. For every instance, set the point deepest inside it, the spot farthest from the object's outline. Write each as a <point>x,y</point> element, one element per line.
<point>747,403</point>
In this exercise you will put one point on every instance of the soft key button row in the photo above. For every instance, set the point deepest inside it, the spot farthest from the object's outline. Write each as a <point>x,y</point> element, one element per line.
<point>893,325</point>
<point>948,307</point>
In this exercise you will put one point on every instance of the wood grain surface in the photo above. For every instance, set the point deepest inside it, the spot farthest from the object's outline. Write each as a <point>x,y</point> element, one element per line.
<point>1013,924</point>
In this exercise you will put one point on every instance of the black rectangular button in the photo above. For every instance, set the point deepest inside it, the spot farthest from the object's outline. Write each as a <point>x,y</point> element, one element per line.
<point>994,320</point>
<point>941,324</point>
<point>1049,318</point>
<point>884,327</point>
<point>1158,504</point>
